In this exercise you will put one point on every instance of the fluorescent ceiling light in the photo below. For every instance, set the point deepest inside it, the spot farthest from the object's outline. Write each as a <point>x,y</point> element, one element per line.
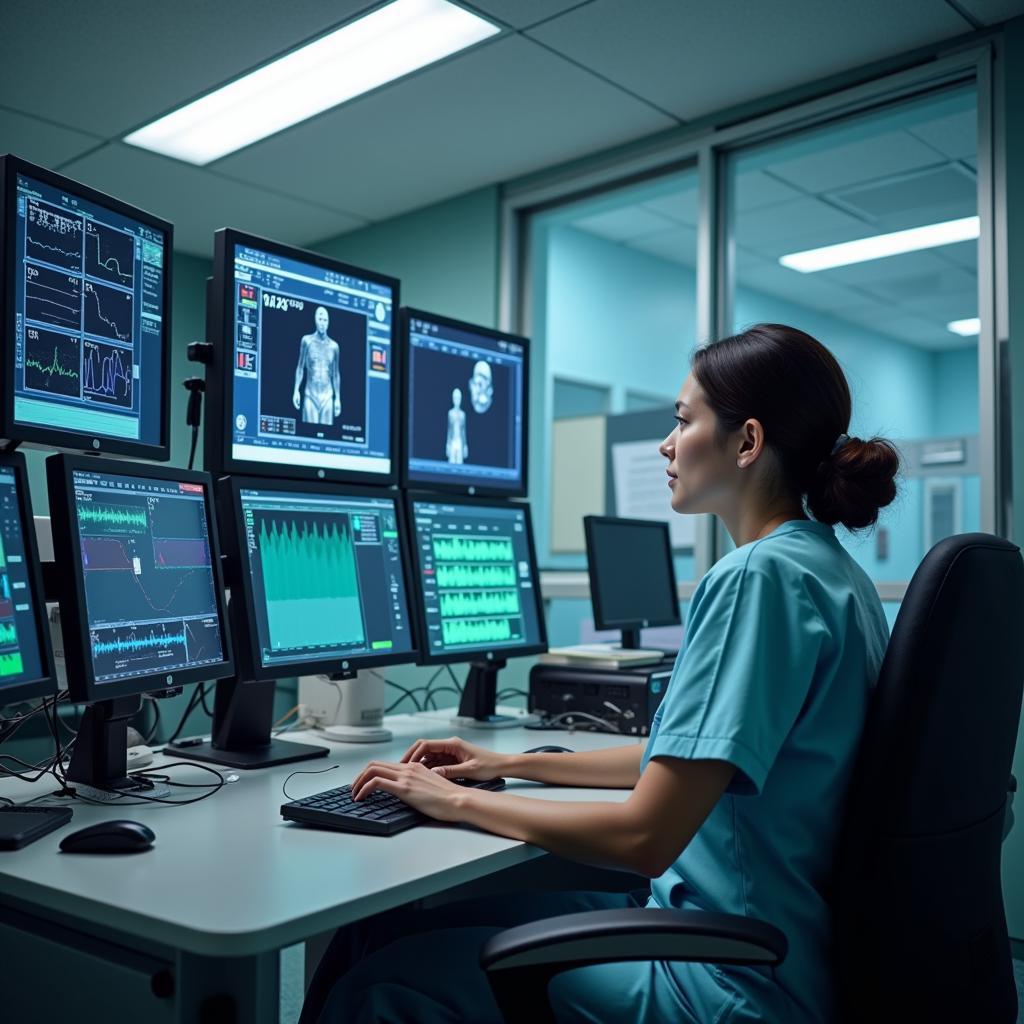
<point>877,246</point>
<point>390,42</point>
<point>968,328</point>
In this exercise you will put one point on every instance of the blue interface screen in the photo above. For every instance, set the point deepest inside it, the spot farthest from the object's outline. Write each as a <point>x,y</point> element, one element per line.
<point>477,583</point>
<point>464,408</point>
<point>146,563</point>
<point>20,660</point>
<point>326,575</point>
<point>311,375</point>
<point>88,317</point>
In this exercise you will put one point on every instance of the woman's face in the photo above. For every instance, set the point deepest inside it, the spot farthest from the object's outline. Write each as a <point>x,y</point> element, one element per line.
<point>702,473</point>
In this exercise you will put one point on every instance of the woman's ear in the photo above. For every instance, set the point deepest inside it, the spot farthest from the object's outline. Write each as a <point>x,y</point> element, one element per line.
<point>751,443</point>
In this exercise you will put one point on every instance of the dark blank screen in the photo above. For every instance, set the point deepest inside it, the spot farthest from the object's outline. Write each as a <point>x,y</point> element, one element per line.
<point>631,570</point>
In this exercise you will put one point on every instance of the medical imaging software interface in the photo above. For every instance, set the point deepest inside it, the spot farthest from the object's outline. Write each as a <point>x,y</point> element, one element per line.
<point>88,317</point>
<point>476,579</point>
<point>150,595</point>
<point>20,660</point>
<point>326,576</point>
<point>465,410</point>
<point>312,365</point>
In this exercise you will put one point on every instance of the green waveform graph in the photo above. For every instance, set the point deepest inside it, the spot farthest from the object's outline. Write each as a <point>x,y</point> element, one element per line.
<point>10,664</point>
<point>476,631</point>
<point>8,634</point>
<point>311,583</point>
<point>119,518</point>
<point>54,367</point>
<point>3,553</point>
<point>455,548</point>
<point>481,602</point>
<point>464,576</point>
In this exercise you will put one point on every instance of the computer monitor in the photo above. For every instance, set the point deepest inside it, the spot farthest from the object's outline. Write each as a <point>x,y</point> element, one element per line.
<point>632,578</point>
<point>140,589</point>
<point>464,417</point>
<point>26,659</point>
<point>319,584</point>
<point>86,317</point>
<point>303,365</point>
<point>477,591</point>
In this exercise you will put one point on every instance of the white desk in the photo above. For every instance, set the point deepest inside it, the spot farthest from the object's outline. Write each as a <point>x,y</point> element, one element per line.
<point>228,883</point>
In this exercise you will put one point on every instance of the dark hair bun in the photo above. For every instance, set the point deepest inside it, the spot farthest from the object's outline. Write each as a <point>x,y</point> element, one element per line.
<point>854,484</point>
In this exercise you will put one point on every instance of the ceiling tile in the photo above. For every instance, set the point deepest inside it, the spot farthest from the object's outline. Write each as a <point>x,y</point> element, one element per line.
<point>502,110</point>
<point>955,136</point>
<point>991,12</point>
<point>623,224</point>
<point>677,245</point>
<point>198,202</point>
<point>795,225</point>
<point>522,13</point>
<point>678,206</point>
<point>691,57</point>
<point>754,189</point>
<point>908,265</point>
<point>42,143</point>
<point>950,190</point>
<point>786,284</point>
<point>121,64</point>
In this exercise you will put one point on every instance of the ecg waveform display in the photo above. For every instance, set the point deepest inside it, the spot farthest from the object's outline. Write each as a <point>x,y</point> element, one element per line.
<point>448,548</point>
<point>53,236</point>
<point>53,297</point>
<point>149,585</point>
<point>20,656</point>
<point>479,602</point>
<point>108,312</point>
<point>107,373</point>
<point>109,254</point>
<point>52,361</point>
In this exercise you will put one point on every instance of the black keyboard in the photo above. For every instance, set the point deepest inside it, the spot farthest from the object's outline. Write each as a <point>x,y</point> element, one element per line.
<point>379,814</point>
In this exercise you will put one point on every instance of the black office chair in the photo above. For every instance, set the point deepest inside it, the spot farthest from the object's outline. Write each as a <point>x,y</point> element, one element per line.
<point>918,907</point>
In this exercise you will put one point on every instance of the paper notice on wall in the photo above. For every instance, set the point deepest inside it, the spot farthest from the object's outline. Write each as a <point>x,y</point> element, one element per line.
<point>642,492</point>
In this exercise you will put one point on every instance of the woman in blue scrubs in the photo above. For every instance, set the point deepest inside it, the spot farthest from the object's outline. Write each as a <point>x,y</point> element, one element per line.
<point>738,796</point>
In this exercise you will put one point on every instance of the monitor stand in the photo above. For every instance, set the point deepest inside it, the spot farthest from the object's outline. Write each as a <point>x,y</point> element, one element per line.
<point>243,714</point>
<point>99,762</point>
<point>477,706</point>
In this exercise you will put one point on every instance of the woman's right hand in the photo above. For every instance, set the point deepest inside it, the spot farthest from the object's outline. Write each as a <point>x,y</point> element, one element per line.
<point>454,758</point>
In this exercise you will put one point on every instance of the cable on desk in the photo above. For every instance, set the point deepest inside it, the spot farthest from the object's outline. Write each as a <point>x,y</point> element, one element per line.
<point>320,771</point>
<point>510,693</point>
<point>138,800</point>
<point>193,701</point>
<point>549,723</point>
<point>152,731</point>
<point>440,689</point>
<point>458,686</point>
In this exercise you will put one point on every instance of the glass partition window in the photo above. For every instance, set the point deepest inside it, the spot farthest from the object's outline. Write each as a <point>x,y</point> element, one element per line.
<point>898,308</point>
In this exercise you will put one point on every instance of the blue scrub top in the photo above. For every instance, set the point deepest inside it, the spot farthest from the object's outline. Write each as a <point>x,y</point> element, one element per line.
<point>785,637</point>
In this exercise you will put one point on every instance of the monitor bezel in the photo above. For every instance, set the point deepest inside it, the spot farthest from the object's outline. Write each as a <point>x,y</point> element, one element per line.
<point>46,685</point>
<point>13,432</point>
<point>217,437</point>
<point>602,623</point>
<point>67,550</point>
<point>494,654</point>
<point>450,487</point>
<point>248,650</point>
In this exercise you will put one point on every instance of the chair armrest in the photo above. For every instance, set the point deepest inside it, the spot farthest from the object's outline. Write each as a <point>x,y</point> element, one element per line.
<point>520,962</point>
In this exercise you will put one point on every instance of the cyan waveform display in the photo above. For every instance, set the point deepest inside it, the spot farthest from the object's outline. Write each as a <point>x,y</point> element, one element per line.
<point>483,602</point>
<point>11,664</point>
<point>453,548</point>
<point>124,517</point>
<point>3,554</point>
<point>481,631</point>
<point>8,634</point>
<point>464,576</point>
<point>310,581</point>
<point>132,642</point>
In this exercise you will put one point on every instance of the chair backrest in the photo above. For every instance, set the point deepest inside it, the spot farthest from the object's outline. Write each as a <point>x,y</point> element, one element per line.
<point>919,921</point>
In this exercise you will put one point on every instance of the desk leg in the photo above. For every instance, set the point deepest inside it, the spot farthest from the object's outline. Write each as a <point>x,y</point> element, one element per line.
<point>228,990</point>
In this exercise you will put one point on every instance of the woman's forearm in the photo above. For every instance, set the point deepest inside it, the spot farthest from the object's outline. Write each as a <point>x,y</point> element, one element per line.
<point>614,768</point>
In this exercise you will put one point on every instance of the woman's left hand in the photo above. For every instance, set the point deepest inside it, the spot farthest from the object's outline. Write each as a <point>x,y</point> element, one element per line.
<point>415,783</point>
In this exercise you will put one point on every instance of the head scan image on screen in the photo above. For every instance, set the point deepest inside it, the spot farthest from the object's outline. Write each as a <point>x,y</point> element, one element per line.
<point>314,369</point>
<point>19,642</point>
<point>462,410</point>
<point>146,564</point>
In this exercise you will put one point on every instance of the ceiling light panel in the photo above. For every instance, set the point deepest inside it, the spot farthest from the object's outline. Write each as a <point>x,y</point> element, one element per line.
<point>387,44</point>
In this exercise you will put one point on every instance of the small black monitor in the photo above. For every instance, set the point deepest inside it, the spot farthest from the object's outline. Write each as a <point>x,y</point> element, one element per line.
<point>632,578</point>
<point>477,590</point>
<point>141,593</point>
<point>26,659</point>
<point>465,410</point>
<point>323,574</point>
<point>86,317</point>
<point>302,376</point>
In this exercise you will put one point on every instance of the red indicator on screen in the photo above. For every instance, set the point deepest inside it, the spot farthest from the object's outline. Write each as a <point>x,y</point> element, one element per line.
<point>191,488</point>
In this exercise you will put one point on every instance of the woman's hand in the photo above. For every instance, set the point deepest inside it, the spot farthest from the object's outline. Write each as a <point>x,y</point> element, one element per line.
<point>415,784</point>
<point>456,759</point>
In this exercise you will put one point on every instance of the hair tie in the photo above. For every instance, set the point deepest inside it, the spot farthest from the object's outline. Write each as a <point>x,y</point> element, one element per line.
<point>841,440</point>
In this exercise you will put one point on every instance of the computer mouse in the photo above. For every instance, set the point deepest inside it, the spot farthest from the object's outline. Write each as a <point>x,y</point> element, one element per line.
<point>109,837</point>
<point>139,756</point>
<point>548,749</point>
